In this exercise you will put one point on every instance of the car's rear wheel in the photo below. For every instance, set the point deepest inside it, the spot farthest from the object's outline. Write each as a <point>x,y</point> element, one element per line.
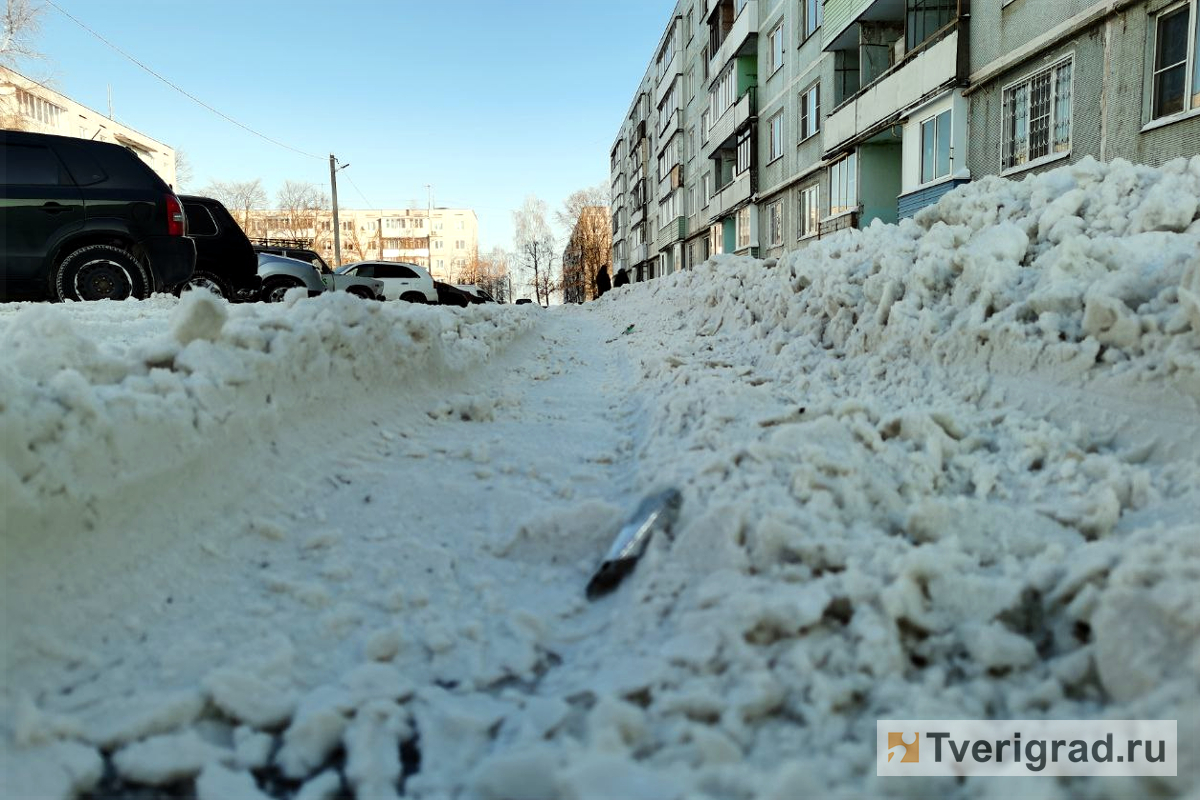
<point>274,289</point>
<point>101,272</point>
<point>206,280</point>
<point>413,297</point>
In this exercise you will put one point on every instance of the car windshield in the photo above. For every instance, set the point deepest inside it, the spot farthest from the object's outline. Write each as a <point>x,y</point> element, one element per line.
<point>344,270</point>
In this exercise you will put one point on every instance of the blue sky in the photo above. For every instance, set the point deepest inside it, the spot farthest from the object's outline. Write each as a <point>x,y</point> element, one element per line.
<point>486,101</point>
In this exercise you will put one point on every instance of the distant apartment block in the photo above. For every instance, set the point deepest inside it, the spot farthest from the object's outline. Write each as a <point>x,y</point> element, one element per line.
<point>27,105</point>
<point>444,247</point>
<point>760,126</point>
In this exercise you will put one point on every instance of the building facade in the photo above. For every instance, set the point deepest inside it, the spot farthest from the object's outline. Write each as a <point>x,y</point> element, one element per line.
<point>27,105</point>
<point>761,125</point>
<point>444,247</point>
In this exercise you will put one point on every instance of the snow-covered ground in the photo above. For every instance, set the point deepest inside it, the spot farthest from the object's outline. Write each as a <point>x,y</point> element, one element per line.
<point>947,469</point>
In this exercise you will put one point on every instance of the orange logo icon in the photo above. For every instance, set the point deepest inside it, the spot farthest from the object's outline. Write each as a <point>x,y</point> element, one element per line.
<point>911,750</point>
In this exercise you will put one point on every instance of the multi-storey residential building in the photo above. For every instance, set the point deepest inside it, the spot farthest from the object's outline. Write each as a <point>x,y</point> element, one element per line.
<point>448,245</point>
<point>762,124</point>
<point>27,105</point>
<point>1053,82</point>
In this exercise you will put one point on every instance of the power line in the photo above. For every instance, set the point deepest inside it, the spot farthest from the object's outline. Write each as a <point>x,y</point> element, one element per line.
<point>177,88</point>
<point>360,194</point>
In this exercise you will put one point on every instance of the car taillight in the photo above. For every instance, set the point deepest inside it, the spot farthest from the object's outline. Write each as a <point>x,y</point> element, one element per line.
<point>176,221</point>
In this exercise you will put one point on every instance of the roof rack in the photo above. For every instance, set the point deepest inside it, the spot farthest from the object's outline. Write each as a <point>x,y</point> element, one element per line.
<point>303,244</point>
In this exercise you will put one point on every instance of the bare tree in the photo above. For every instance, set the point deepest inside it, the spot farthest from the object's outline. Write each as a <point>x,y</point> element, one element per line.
<point>487,271</point>
<point>183,169</point>
<point>240,197</point>
<point>535,248</point>
<point>22,24</point>
<point>303,205</point>
<point>586,215</point>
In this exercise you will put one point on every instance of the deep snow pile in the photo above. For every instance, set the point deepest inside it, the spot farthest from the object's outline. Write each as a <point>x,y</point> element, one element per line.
<point>946,469</point>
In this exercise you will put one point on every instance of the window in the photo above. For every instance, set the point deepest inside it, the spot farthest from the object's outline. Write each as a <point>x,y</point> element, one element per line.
<point>935,147</point>
<point>691,143</point>
<point>776,136</point>
<point>36,108</point>
<point>199,221</point>
<point>1176,76</point>
<point>810,112</point>
<point>691,24</point>
<point>927,17</point>
<point>692,208</point>
<point>460,244</point>
<point>744,152</point>
<point>776,50</point>
<point>809,211</point>
<point>706,187</point>
<point>775,216</point>
<point>743,228</point>
<point>724,93</point>
<point>1037,116</point>
<point>716,239</point>
<point>704,62</point>
<point>811,12</point>
<point>843,185</point>
<point>704,125</point>
<point>458,225</point>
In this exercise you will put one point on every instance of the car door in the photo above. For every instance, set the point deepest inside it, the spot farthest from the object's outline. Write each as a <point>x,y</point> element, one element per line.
<point>395,280</point>
<point>41,205</point>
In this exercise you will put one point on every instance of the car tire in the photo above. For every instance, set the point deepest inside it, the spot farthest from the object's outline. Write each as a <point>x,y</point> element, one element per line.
<point>206,280</point>
<point>360,293</point>
<point>101,272</point>
<point>413,297</point>
<point>274,289</point>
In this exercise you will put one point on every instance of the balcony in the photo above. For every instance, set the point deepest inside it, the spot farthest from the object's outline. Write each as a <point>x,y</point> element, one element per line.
<point>732,194</point>
<point>640,253</point>
<point>926,71</point>
<point>637,215</point>
<point>673,69</point>
<point>735,117</point>
<point>669,127</point>
<point>738,41</point>
<point>673,231</point>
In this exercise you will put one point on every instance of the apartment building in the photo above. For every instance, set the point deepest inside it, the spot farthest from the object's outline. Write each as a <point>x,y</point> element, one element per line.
<point>444,247</point>
<point>763,124</point>
<point>29,106</point>
<point>1054,82</point>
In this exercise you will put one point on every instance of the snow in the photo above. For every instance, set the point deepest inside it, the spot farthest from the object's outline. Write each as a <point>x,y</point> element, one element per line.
<point>945,469</point>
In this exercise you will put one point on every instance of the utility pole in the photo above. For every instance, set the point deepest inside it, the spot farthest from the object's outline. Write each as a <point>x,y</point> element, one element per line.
<point>429,243</point>
<point>337,228</point>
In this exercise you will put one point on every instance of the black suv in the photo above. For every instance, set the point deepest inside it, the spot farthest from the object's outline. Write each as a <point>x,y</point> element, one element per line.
<point>226,264</point>
<point>86,220</point>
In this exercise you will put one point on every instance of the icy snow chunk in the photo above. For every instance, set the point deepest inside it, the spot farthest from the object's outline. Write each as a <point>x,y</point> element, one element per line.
<point>609,775</point>
<point>993,646</point>
<point>165,759</point>
<point>125,719</point>
<point>326,786</point>
<point>57,770</point>
<point>252,748</point>
<point>373,749</point>
<point>246,696</point>
<point>201,315</point>
<point>315,731</point>
<point>522,773</point>
<point>218,783</point>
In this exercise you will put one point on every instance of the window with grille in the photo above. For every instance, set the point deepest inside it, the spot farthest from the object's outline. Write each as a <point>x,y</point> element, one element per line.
<point>776,136</point>
<point>1037,116</point>
<point>1176,75</point>
<point>809,220</point>
<point>810,112</point>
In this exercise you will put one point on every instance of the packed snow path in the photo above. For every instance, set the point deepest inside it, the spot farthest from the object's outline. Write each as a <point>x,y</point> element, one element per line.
<point>943,470</point>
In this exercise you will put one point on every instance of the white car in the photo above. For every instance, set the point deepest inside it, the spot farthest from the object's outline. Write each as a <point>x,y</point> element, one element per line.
<point>407,282</point>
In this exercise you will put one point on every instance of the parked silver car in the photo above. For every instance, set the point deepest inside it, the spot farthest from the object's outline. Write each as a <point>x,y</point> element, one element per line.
<point>279,274</point>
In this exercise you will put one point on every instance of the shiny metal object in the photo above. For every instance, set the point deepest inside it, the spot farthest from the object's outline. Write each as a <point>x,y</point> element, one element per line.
<point>656,512</point>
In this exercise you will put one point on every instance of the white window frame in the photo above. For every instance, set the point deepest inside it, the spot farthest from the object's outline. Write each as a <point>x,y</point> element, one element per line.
<point>775,146</point>
<point>809,211</point>
<point>842,175</point>
<point>742,232</point>
<point>1191,75</point>
<point>1027,81</point>
<point>775,223</point>
<point>810,119</point>
<point>775,49</point>
<point>933,121</point>
<point>810,23</point>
